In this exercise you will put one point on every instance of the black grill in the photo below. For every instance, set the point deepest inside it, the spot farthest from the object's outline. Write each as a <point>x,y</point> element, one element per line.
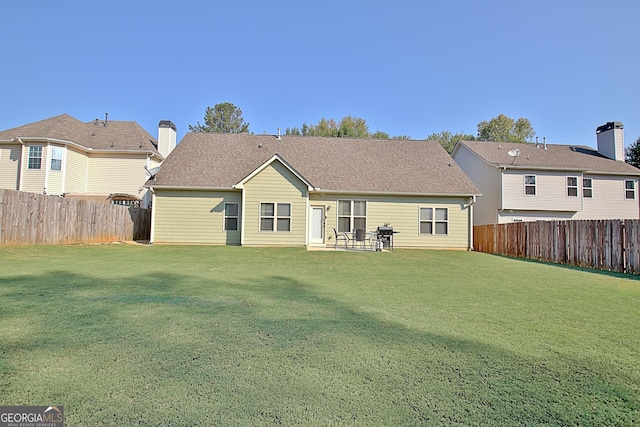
<point>385,235</point>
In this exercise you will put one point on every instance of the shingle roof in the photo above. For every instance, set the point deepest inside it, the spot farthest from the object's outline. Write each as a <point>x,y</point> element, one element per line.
<point>216,160</point>
<point>117,135</point>
<point>555,157</point>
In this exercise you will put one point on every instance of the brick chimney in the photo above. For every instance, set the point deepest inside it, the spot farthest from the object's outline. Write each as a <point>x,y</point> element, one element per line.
<point>611,140</point>
<point>166,137</point>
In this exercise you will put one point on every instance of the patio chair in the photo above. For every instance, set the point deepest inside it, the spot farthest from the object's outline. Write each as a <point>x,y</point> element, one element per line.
<point>340,236</point>
<point>360,237</point>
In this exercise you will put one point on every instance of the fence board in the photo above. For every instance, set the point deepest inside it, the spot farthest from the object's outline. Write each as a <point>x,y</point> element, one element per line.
<point>612,245</point>
<point>27,219</point>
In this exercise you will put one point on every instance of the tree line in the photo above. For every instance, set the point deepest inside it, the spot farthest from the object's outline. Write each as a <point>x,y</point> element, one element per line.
<point>227,118</point>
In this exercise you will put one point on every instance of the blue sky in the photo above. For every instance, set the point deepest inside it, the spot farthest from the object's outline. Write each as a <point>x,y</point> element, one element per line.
<point>406,67</point>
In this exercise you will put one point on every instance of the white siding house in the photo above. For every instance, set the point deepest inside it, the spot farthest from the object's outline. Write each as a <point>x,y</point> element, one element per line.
<point>529,182</point>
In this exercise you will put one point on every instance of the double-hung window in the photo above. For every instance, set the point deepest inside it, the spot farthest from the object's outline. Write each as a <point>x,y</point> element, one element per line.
<point>56,158</point>
<point>275,216</point>
<point>630,189</point>
<point>572,186</point>
<point>434,221</point>
<point>587,187</point>
<point>231,216</point>
<point>352,214</point>
<point>530,185</point>
<point>35,157</point>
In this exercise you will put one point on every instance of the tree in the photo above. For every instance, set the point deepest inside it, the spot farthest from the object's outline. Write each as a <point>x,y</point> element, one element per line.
<point>449,140</point>
<point>353,127</point>
<point>632,154</point>
<point>224,118</point>
<point>380,135</point>
<point>505,129</point>
<point>348,127</point>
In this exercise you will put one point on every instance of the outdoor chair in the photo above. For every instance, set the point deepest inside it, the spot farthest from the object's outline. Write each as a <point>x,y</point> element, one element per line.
<point>361,237</point>
<point>340,236</point>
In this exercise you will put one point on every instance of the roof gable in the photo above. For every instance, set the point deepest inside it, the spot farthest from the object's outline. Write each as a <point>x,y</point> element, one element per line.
<point>215,160</point>
<point>275,158</point>
<point>553,157</point>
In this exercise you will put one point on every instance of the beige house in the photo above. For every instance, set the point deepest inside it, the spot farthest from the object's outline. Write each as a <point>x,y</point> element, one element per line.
<point>529,182</point>
<point>101,160</point>
<point>262,190</point>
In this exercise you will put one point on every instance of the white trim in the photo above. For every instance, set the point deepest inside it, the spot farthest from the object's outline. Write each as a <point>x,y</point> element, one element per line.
<point>47,168</point>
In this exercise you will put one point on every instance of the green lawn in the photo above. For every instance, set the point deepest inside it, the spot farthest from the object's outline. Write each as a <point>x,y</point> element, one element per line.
<point>125,335</point>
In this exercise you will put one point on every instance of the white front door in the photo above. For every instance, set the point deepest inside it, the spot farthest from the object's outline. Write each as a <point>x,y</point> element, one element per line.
<point>316,230</point>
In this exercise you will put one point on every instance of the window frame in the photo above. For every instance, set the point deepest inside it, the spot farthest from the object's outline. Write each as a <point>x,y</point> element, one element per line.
<point>32,158</point>
<point>433,221</point>
<point>228,216</point>
<point>533,185</point>
<point>277,218</point>
<point>352,217</point>
<point>629,190</point>
<point>573,187</point>
<point>54,150</point>
<point>587,190</point>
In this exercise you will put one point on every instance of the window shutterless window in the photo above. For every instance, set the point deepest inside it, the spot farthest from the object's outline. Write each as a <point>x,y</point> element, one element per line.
<point>630,189</point>
<point>352,214</point>
<point>284,217</point>
<point>35,157</point>
<point>275,216</point>
<point>587,187</point>
<point>530,185</point>
<point>434,221</point>
<point>231,213</point>
<point>56,158</point>
<point>572,186</point>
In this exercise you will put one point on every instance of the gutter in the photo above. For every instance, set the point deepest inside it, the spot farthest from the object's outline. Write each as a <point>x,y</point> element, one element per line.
<point>182,187</point>
<point>577,170</point>
<point>21,168</point>
<point>82,147</point>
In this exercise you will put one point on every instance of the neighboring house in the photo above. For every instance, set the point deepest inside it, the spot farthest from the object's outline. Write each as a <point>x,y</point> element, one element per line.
<point>262,190</point>
<point>101,160</point>
<point>529,182</point>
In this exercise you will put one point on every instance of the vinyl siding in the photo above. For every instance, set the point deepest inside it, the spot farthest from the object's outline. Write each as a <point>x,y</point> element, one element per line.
<point>77,165</point>
<point>608,201</point>
<point>33,180</point>
<point>487,178</point>
<point>193,217</point>
<point>55,179</point>
<point>515,215</point>
<point>551,191</point>
<point>275,184</point>
<point>9,166</point>
<point>402,213</point>
<point>116,174</point>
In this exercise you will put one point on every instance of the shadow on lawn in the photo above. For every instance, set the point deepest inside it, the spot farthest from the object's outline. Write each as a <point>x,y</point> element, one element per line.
<point>424,377</point>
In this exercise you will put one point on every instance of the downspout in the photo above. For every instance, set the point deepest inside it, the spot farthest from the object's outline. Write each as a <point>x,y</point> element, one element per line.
<point>472,201</point>
<point>21,166</point>
<point>153,214</point>
<point>46,167</point>
<point>243,209</point>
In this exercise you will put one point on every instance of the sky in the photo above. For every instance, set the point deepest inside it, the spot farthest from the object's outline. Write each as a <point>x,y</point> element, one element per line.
<point>408,67</point>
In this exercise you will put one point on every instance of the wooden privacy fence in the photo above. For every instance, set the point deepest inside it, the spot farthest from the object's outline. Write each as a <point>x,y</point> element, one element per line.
<point>612,245</point>
<point>29,219</point>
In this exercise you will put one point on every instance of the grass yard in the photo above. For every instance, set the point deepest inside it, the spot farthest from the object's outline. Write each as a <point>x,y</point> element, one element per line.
<point>126,335</point>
